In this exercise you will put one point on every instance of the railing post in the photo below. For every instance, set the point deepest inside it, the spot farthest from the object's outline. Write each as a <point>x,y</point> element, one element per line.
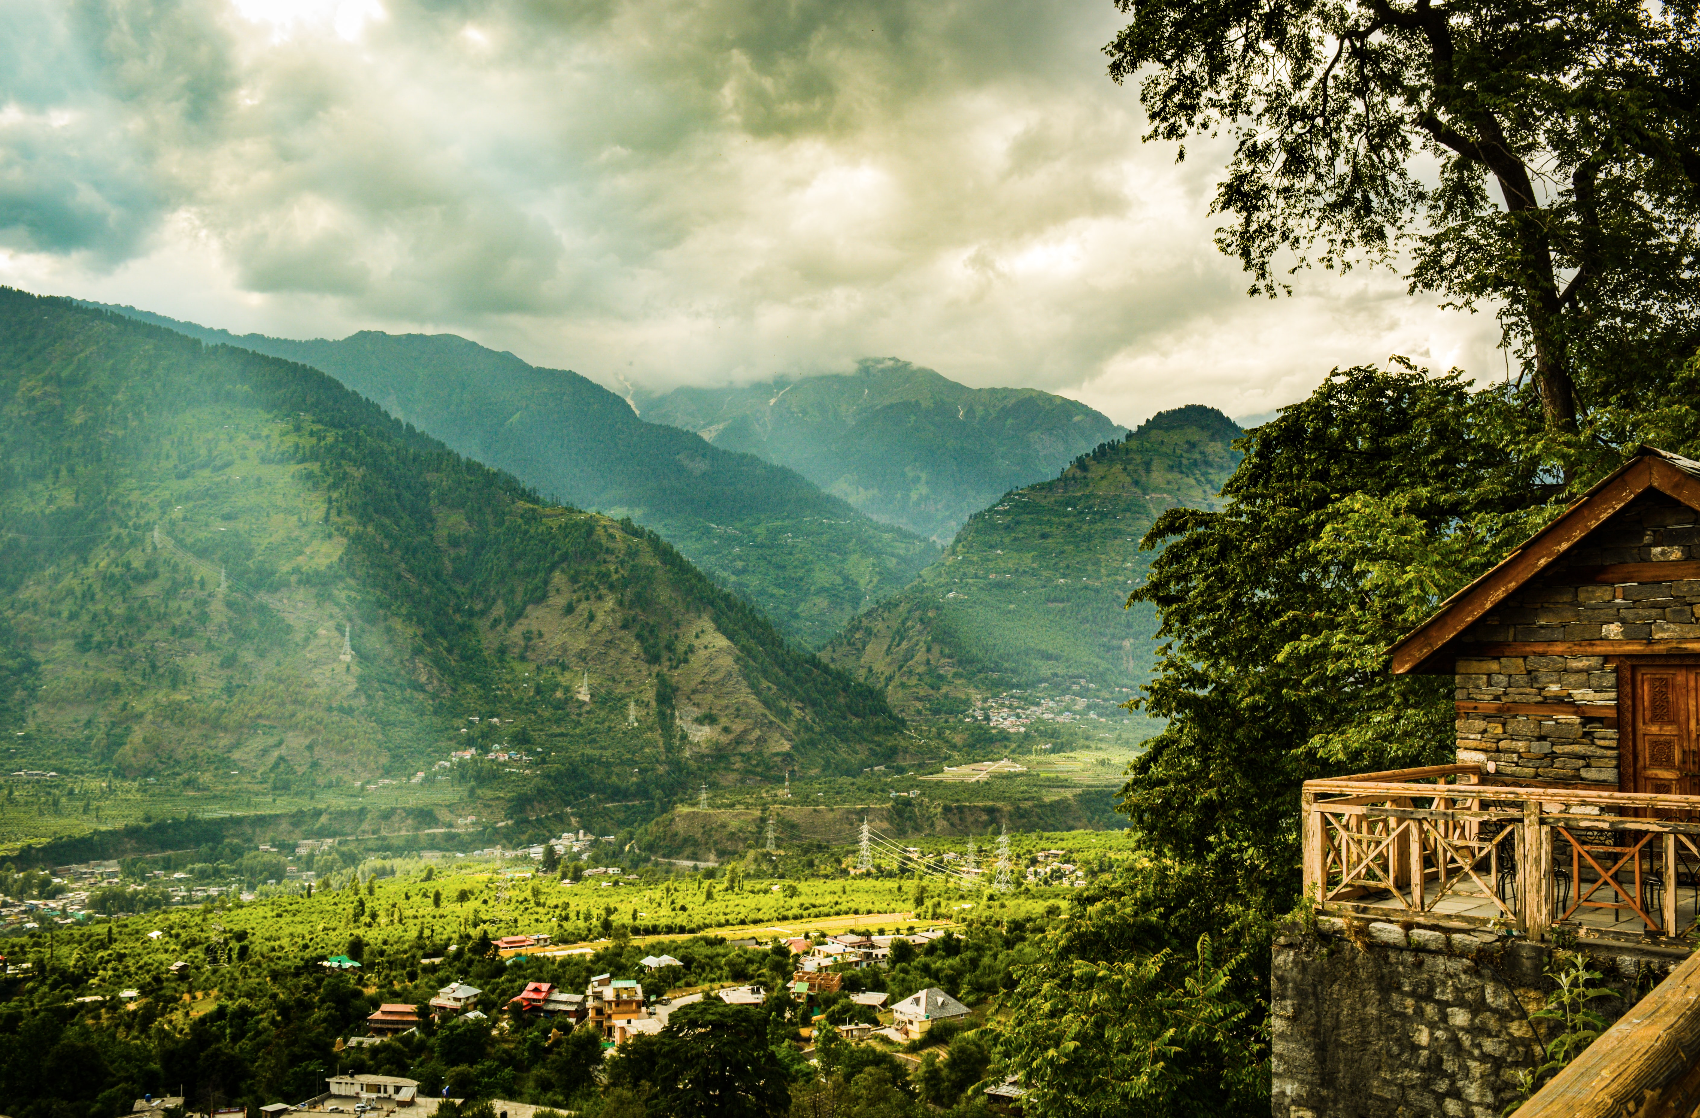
<point>1532,874</point>
<point>1668,916</point>
<point>1310,840</point>
<point>1418,884</point>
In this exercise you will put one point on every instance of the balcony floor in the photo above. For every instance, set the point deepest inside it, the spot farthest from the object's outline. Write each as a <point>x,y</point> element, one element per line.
<point>1466,899</point>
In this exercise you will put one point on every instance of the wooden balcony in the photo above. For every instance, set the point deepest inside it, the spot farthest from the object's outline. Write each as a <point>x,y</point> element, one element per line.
<point>1454,844</point>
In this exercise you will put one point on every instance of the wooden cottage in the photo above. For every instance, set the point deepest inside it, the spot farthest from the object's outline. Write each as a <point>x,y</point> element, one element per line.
<point>1574,798</point>
<point>1577,659</point>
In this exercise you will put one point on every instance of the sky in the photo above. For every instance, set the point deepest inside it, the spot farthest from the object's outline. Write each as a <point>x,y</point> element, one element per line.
<point>664,192</point>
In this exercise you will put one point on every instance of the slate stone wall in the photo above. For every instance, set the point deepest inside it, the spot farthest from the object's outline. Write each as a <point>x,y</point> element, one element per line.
<point>1564,746</point>
<point>1374,1020</point>
<point>1565,604</point>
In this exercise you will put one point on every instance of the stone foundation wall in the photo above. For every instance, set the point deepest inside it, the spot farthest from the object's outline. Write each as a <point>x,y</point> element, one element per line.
<point>1375,1020</point>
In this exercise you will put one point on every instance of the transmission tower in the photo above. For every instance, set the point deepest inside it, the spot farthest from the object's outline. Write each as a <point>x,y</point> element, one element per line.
<point>973,864</point>
<point>702,797</point>
<point>347,642</point>
<point>1003,884</point>
<point>770,834</point>
<point>788,784</point>
<point>223,581</point>
<point>865,852</point>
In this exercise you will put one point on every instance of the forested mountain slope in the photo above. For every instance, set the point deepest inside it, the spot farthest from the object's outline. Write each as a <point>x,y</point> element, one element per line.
<point>211,555</point>
<point>899,442</point>
<point>1029,597</point>
<point>809,560</point>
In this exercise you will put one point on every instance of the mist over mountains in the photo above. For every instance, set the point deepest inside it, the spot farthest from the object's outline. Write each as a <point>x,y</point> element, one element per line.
<point>901,443</point>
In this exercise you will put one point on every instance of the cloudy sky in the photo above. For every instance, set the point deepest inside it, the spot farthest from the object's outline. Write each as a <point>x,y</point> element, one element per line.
<point>662,192</point>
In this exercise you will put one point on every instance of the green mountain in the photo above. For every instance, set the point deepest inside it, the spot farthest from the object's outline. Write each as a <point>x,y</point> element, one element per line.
<point>1023,616</point>
<point>901,443</point>
<point>809,560</point>
<point>210,555</point>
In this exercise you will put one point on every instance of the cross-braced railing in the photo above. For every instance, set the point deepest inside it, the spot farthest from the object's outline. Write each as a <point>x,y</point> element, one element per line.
<point>1451,839</point>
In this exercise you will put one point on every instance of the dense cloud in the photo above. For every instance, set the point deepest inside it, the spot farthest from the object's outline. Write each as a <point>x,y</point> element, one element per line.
<point>658,192</point>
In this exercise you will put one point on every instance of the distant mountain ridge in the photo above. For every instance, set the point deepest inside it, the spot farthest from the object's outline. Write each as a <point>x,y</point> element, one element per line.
<point>808,559</point>
<point>1029,597</point>
<point>902,443</point>
<point>209,554</point>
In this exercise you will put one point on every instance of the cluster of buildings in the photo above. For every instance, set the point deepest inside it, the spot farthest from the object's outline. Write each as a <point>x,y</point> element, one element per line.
<point>1049,869</point>
<point>1014,711</point>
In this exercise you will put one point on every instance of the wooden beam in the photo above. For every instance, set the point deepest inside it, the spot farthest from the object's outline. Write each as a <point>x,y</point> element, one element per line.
<point>1624,573</point>
<point>1464,608</point>
<point>1416,774</point>
<point>1577,648</point>
<point>1571,795</point>
<point>1607,711</point>
<point>1639,1065</point>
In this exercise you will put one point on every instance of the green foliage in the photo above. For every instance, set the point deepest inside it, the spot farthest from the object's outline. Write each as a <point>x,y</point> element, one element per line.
<point>1111,1019</point>
<point>1340,111</point>
<point>1028,596</point>
<point>1352,515</point>
<point>899,442</point>
<point>712,1060</point>
<point>1575,1025</point>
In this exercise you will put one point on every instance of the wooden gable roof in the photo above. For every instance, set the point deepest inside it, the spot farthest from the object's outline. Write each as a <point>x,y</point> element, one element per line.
<point>1422,650</point>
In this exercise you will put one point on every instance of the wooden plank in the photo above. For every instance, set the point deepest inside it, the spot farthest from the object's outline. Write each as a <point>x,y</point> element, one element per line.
<point>1532,874</point>
<point>1576,648</point>
<point>1415,774</point>
<point>1464,608</point>
<point>1311,845</point>
<point>1540,710</point>
<point>1635,1065</point>
<point>1429,813</point>
<point>1567,796</point>
<point>1668,916</point>
<point>1627,573</point>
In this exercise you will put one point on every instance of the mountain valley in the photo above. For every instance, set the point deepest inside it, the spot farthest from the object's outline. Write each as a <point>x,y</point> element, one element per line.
<point>1021,622</point>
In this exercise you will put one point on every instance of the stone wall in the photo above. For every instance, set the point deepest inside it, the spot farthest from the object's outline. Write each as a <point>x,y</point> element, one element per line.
<point>1564,604</point>
<point>1563,746</point>
<point>1375,1020</point>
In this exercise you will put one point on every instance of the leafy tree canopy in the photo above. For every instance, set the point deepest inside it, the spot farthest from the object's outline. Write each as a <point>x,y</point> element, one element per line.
<point>711,1059</point>
<point>1567,137</point>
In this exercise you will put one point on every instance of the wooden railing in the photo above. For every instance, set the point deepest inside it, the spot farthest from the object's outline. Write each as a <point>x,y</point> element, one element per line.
<point>1402,843</point>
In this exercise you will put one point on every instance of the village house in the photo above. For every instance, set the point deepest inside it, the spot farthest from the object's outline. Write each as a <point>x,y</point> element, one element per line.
<point>375,1088</point>
<point>917,1013</point>
<point>392,1018</point>
<point>157,1104</point>
<point>819,981</point>
<point>547,1000</point>
<point>613,1002</point>
<point>743,995</point>
<point>456,997</point>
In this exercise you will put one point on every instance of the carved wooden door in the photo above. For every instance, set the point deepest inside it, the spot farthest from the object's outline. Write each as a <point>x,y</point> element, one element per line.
<point>1667,752</point>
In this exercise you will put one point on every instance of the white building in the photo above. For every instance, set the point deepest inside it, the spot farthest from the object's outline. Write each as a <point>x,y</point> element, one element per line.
<point>368,1088</point>
<point>919,1012</point>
